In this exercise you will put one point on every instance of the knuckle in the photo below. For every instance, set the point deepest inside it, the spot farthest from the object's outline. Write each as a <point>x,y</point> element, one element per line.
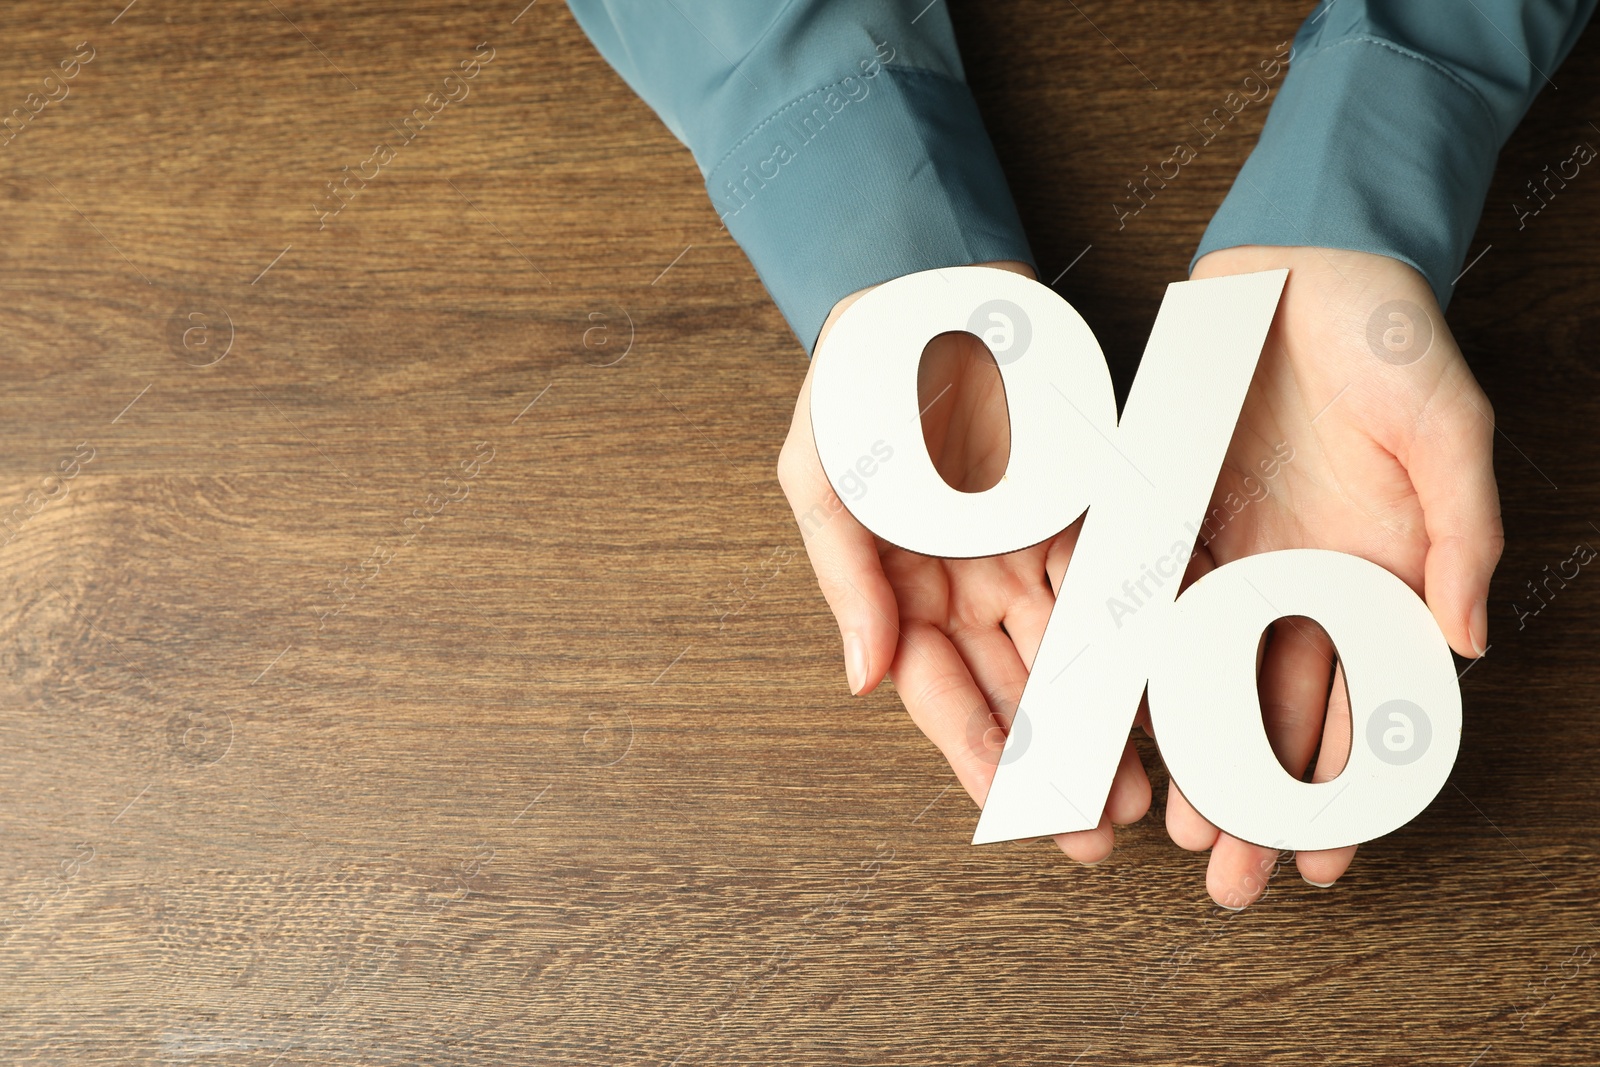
<point>1496,544</point>
<point>786,465</point>
<point>1487,408</point>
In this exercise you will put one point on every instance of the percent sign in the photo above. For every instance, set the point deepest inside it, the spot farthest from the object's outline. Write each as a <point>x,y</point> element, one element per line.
<point>1146,481</point>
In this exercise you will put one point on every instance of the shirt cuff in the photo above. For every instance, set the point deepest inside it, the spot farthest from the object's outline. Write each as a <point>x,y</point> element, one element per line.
<point>1369,147</point>
<point>838,191</point>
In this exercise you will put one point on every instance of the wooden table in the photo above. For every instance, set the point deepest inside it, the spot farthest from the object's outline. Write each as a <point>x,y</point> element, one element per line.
<point>564,771</point>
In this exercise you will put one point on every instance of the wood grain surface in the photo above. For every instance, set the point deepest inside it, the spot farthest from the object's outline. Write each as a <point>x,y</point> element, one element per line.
<point>407,655</point>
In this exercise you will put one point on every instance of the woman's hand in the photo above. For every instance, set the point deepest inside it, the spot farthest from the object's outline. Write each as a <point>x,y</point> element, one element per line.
<point>1379,443</point>
<point>957,637</point>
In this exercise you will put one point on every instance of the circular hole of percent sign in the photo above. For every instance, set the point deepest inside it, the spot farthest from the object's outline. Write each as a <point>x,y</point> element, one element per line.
<point>1146,481</point>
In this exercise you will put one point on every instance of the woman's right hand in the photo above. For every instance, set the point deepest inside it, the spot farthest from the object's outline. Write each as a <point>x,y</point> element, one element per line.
<point>957,637</point>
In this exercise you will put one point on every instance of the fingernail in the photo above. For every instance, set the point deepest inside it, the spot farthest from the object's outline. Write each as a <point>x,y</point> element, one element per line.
<point>1478,628</point>
<point>1230,907</point>
<point>855,662</point>
<point>1319,885</point>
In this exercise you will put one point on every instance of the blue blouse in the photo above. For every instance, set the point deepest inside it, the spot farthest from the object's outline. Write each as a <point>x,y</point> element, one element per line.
<point>842,148</point>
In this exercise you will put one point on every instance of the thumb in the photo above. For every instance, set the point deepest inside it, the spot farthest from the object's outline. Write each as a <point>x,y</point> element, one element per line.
<point>844,555</point>
<point>1451,464</point>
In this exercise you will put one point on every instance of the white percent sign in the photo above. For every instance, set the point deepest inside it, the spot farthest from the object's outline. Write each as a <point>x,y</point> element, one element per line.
<point>1118,625</point>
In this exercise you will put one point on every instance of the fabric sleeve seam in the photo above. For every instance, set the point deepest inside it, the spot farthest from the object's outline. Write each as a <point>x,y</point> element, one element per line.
<point>1409,53</point>
<point>770,119</point>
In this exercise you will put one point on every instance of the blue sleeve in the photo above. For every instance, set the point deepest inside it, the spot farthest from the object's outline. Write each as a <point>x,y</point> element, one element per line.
<point>1385,132</point>
<point>839,142</point>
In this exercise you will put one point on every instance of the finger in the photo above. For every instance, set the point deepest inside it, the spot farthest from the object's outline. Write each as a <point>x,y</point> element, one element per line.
<point>844,555</point>
<point>1142,719</point>
<point>1239,872</point>
<point>1127,803</point>
<point>1201,562</point>
<point>1025,621</point>
<point>1451,464</point>
<point>1186,826</point>
<point>1024,624</point>
<point>1059,555</point>
<point>947,706</point>
<point>1089,846</point>
<point>1295,672</point>
<point>1130,789</point>
<point>1324,868</point>
<point>992,662</point>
